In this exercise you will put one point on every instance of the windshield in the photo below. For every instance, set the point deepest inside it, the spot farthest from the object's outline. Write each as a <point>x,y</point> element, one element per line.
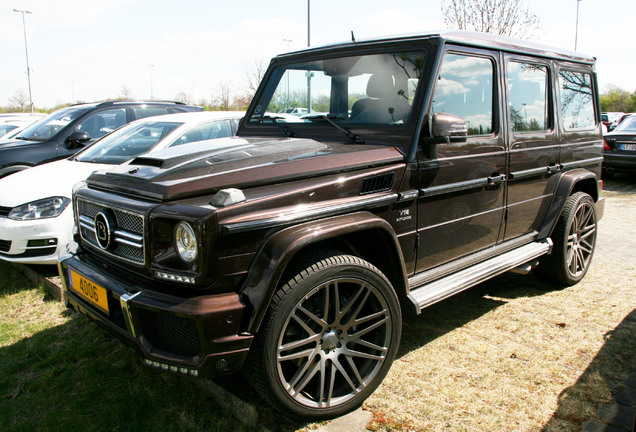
<point>375,89</point>
<point>127,142</point>
<point>51,125</point>
<point>627,125</point>
<point>6,128</point>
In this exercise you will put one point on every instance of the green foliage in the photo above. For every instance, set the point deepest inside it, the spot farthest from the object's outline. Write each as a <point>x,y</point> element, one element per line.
<point>60,372</point>
<point>615,99</point>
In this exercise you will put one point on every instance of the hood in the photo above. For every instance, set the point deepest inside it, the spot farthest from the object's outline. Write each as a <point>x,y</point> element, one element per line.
<point>12,142</point>
<point>197,169</point>
<point>43,181</point>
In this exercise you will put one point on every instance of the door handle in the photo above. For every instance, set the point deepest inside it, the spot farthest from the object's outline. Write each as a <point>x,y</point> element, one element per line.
<point>496,179</point>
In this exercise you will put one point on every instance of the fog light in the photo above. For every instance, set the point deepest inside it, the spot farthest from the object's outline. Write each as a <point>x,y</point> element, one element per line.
<point>43,242</point>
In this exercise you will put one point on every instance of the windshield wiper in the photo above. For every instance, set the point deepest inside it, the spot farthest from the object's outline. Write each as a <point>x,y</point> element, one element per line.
<point>274,119</point>
<point>29,139</point>
<point>330,119</point>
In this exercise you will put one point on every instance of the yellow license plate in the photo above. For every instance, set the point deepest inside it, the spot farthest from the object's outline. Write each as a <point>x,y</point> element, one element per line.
<point>89,290</point>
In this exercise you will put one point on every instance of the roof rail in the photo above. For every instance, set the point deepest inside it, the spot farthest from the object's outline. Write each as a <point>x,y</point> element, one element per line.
<point>113,102</point>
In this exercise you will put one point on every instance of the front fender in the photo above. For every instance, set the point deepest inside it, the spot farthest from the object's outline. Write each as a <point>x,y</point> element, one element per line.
<point>276,253</point>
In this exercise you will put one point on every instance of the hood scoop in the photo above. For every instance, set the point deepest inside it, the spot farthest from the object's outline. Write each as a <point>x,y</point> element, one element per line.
<point>148,161</point>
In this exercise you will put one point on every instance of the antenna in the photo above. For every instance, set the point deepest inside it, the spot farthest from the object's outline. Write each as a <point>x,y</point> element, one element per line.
<point>353,38</point>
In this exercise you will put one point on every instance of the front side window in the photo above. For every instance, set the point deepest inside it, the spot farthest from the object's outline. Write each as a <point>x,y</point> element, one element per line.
<point>102,122</point>
<point>51,125</point>
<point>127,142</point>
<point>375,89</point>
<point>465,89</point>
<point>528,96</point>
<point>576,100</point>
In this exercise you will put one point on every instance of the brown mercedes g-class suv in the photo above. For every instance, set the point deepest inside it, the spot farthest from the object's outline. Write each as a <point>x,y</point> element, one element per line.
<point>418,167</point>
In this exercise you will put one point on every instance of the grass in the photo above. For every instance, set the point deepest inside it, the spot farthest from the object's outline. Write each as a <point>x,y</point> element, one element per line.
<point>512,354</point>
<point>59,372</point>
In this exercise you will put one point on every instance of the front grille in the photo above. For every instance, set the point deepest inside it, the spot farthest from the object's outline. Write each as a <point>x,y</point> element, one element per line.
<point>4,211</point>
<point>5,245</point>
<point>126,233</point>
<point>170,333</point>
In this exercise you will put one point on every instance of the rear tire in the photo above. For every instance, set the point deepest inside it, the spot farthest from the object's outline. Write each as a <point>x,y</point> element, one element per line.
<point>328,339</point>
<point>574,240</point>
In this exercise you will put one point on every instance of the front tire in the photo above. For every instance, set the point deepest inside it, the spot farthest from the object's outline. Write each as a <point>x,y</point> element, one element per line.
<point>328,339</point>
<point>574,240</point>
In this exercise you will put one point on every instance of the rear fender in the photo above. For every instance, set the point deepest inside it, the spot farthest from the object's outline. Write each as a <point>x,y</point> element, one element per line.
<point>576,180</point>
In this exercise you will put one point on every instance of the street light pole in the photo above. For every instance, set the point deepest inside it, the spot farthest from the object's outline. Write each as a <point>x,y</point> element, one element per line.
<point>26,51</point>
<point>152,97</point>
<point>308,22</point>
<point>287,73</point>
<point>576,31</point>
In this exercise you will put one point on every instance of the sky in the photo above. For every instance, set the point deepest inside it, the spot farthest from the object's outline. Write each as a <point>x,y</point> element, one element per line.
<point>91,50</point>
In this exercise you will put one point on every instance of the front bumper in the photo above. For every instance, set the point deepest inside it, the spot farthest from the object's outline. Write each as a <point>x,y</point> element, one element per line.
<point>40,241</point>
<point>197,336</point>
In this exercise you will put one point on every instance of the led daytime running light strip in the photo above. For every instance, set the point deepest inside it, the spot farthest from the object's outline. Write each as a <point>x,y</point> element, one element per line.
<point>171,368</point>
<point>174,277</point>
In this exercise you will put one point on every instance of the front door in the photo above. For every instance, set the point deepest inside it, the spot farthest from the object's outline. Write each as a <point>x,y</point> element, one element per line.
<point>462,184</point>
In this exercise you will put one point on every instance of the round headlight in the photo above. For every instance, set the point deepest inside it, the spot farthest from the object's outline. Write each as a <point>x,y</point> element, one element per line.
<point>186,241</point>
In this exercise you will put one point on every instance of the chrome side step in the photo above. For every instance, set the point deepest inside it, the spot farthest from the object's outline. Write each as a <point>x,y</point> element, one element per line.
<point>452,284</point>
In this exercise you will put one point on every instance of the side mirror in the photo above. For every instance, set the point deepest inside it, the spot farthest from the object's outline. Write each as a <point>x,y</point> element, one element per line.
<point>77,139</point>
<point>450,127</point>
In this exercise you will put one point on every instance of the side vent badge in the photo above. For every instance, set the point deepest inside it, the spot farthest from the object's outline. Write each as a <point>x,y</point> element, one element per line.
<point>379,183</point>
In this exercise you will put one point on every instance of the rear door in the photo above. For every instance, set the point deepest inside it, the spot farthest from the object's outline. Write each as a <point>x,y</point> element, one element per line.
<point>534,142</point>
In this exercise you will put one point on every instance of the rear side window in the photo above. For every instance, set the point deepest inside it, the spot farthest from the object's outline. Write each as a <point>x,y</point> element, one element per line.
<point>528,95</point>
<point>212,130</point>
<point>465,88</point>
<point>576,100</point>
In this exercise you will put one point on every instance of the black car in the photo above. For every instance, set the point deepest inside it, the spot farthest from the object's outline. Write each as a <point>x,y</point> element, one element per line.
<point>620,147</point>
<point>67,130</point>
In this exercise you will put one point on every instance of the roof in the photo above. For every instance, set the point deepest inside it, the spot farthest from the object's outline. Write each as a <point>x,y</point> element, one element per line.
<point>469,38</point>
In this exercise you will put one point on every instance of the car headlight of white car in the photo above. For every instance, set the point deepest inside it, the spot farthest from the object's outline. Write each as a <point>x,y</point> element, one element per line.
<point>40,209</point>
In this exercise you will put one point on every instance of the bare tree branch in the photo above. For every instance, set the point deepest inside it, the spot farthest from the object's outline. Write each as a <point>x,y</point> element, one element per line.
<point>503,17</point>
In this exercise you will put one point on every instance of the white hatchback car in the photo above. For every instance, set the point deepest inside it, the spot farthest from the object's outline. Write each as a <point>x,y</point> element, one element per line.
<point>36,220</point>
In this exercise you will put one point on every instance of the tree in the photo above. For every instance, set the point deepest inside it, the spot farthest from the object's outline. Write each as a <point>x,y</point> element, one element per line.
<point>615,99</point>
<point>254,72</point>
<point>182,97</point>
<point>19,101</point>
<point>503,17</point>
<point>125,92</point>
<point>223,96</point>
